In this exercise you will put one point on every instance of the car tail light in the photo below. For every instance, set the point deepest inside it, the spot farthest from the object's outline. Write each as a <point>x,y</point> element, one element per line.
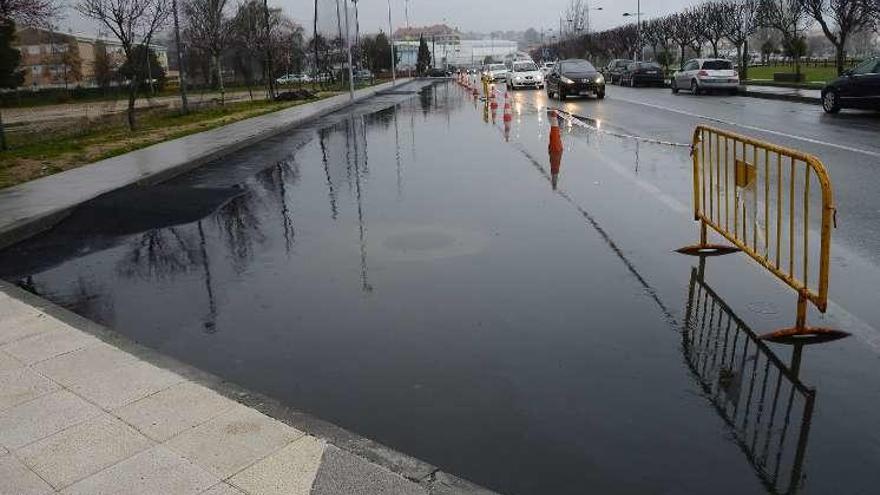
<point>702,73</point>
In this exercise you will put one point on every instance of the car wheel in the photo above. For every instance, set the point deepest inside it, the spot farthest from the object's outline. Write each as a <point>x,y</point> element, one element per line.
<point>831,101</point>
<point>695,87</point>
<point>674,87</point>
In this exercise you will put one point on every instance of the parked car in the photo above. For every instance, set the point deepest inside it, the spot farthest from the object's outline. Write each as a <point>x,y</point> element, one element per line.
<point>706,74</point>
<point>525,74</point>
<point>615,69</point>
<point>856,88</point>
<point>293,78</point>
<point>495,72</point>
<point>575,77</point>
<point>642,74</point>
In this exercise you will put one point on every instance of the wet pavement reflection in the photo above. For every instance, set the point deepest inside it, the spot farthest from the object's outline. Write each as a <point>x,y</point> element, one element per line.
<point>422,271</point>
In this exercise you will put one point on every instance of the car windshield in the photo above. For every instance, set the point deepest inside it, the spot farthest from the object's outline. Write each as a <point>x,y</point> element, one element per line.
<point>717,65</point>
<point>527,67</point>
<point>578,66</point>
<point>496,67</point>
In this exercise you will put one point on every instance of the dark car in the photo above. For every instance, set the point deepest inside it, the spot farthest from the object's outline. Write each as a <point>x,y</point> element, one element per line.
<point>575,77</point>
<point>856,88</point>
<point>642,74</point>
<point>615,69</point>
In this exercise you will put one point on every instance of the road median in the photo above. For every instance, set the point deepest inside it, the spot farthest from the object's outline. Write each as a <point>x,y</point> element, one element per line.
<point>35,206</point>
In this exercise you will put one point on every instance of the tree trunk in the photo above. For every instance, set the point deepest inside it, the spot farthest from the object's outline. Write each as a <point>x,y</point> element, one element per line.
<point>840,56</point>
<point>681,58</point>
<point>184,104</point>
<point>132,95</point>
<point>3,144</point>
<point>744,61</point>
<point>715,49</point>
<point>220,79</point>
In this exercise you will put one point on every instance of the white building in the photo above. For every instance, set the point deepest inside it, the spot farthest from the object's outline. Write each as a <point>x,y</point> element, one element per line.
<point>455,52</point>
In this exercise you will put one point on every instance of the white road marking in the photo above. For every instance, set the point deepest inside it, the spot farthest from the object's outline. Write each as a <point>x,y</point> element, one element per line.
<point>753,128</point>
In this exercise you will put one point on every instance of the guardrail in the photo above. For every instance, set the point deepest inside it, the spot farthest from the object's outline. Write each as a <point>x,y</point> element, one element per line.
<point>761,198</point>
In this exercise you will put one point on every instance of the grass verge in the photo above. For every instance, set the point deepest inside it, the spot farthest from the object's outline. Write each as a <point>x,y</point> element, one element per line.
<point>34,155</point>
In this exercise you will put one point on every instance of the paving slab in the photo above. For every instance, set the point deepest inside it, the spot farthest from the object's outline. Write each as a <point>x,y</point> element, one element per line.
<point>82,450</point>
<point>23,325</point>
<point>154,471</point>
<point>233,441</point>
<point>165,414</point>
<point>46,345</point>
<point>222,489</point>
<point>7,362</point>
<point>290,471</point>
<point>107,377</point>
<point>342,472</point>
<point>16,478</point>
<point>21,385</point>
<point>41,417</point>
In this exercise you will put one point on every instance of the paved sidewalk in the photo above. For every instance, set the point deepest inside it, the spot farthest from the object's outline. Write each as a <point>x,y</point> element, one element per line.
<point>80,416</point>
<point>28,208</point>
<point>779,93</point>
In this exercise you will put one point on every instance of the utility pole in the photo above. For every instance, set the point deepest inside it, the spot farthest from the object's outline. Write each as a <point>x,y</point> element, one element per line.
<point>391,40</point>
<point>315,41</point>
<point>184,105</point>
<point>348,49</point>
<point>433,51</point>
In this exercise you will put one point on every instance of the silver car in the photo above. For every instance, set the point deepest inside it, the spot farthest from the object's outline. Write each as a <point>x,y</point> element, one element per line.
<point>706,74</point>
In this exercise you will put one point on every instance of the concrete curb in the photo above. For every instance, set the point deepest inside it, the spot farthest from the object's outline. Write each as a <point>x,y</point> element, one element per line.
<point>781,97</point>
<point>427,475</point>
<point>33,207</point>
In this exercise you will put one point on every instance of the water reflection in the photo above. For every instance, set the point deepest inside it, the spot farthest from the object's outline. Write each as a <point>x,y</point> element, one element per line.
<point>763,402</point>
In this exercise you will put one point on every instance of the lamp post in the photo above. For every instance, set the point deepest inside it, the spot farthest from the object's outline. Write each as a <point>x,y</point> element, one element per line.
<point>348,49</point>
<point>391,40</point>
<point>638,15</point>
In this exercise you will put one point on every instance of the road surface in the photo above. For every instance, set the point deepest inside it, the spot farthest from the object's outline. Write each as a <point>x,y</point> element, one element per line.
<point>416,271</point>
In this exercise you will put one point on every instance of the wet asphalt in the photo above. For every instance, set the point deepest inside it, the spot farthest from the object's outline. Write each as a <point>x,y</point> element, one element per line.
<point>408,271</point>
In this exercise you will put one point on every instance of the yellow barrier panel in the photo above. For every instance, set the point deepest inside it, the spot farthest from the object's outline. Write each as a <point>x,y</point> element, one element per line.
<point>759,196</point>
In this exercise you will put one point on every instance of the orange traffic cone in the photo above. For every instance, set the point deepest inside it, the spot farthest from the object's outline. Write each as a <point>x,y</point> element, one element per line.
<point>555,134</point>
<point>506,129</point>
<point>508,115</point>
<point>493,103</point>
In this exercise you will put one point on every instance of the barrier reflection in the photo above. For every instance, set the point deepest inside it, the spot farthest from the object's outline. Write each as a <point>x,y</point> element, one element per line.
<point>760,398</point>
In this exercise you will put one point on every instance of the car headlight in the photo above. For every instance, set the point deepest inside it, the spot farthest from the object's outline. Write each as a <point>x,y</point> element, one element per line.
<point>518,78</point>
<point>600,79</point>
<point>565,80</point>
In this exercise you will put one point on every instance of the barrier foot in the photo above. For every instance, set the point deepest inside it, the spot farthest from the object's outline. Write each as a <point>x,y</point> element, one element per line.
<point>804,335</point>
<point>707,250</point>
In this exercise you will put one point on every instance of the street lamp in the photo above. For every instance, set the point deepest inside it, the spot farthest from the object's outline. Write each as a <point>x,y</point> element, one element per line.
<point>638,14</point>
<point>391,40</point>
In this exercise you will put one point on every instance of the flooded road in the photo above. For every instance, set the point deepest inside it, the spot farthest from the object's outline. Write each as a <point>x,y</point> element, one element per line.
<point>407,271</point>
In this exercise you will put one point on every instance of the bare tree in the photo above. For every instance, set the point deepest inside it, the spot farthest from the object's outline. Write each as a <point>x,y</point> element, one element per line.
<point>577,16</point>
<point>789,17</point>
<point>683,33</point>
<point>715,19</point>
<point>743,23</point>
<point>209,28</point>
<point>839,19</point>
<point>133,23</point>
<point>29,12</point>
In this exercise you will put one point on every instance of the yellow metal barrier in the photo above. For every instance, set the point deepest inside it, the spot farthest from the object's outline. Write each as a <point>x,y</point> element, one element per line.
<point>759,196</point>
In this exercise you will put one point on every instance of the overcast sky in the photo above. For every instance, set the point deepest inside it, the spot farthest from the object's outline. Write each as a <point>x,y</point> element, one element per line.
<point>468,15</point>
